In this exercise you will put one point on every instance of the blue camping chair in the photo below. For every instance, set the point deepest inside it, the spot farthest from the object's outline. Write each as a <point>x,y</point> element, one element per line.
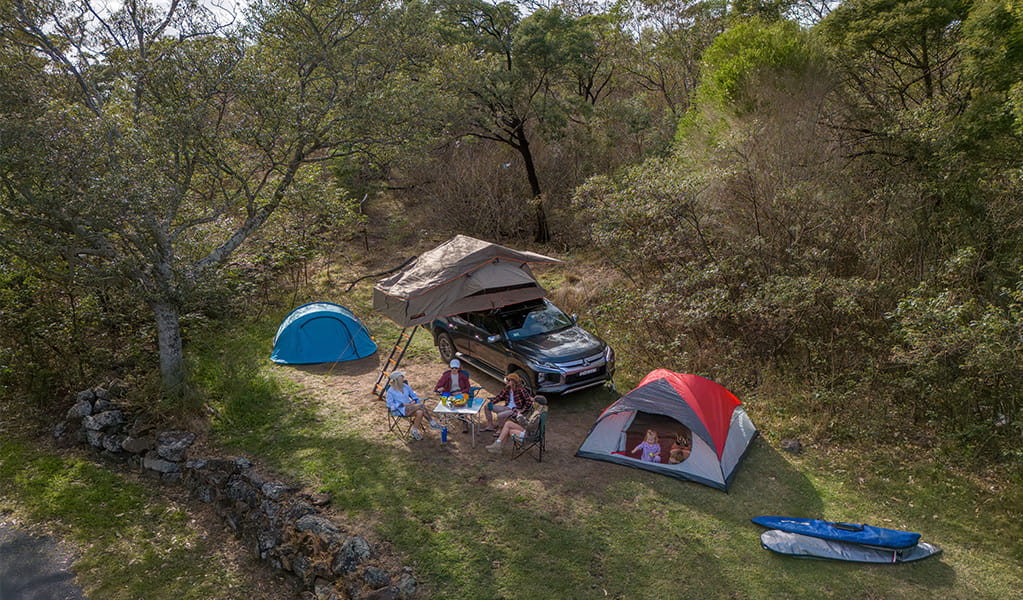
<point>398,423</point>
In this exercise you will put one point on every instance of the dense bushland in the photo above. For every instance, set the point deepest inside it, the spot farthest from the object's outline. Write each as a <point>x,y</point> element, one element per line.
<point>821,203</point>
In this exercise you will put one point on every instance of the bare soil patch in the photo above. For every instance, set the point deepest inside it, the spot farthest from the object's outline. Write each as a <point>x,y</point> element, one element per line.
<point>346,389</point>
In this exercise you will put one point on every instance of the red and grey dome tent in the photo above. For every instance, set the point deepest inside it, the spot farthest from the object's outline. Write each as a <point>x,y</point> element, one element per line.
<point>675,405</point>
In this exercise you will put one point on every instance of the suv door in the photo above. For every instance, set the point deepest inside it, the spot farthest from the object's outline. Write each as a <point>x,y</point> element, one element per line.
<point>483,326</point>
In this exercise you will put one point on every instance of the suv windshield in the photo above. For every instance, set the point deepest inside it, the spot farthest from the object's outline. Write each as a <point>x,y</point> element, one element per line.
<point>535,319</point>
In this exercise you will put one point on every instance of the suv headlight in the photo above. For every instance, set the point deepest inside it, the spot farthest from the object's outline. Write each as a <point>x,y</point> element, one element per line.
<point>552,377</point>
<point>609,355</point>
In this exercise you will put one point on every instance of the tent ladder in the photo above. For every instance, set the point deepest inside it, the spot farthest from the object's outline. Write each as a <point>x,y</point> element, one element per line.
<point>397,352</point>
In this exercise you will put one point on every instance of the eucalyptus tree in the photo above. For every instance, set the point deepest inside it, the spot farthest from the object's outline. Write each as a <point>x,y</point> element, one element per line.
<point>668,39</point>
<point>146,143</point>
<point>514,78</point>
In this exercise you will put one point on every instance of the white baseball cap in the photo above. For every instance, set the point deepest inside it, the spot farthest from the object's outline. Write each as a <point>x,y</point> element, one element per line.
<point>455,363</point>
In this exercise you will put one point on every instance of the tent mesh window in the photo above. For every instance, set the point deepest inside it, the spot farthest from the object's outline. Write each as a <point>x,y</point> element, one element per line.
<point>668,430</point>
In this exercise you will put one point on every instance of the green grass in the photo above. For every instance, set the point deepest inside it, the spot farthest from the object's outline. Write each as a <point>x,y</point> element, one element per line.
<point>130,543</point>
<point>513,530</point>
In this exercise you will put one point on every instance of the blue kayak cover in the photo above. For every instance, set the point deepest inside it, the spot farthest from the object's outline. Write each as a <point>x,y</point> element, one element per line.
<point>804,546</point>
<point>321,332</point>
<point>866,535</point>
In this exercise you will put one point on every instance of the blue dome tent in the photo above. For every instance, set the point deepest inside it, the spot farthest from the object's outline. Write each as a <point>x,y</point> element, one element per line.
<point>321,332</point>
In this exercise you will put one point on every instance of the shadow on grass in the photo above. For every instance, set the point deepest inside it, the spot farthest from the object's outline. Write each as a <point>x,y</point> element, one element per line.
<point>478,526</point>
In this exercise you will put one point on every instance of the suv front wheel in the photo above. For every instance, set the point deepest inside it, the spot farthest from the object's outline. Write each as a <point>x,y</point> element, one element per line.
<point>526,380</point>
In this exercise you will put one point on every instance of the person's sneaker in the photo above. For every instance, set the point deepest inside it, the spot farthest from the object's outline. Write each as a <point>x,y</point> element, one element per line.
<point>416,435</point>
<point>434,425</point>
<point>495,448</point>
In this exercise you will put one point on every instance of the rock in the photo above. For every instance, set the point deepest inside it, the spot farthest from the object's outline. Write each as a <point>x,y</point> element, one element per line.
<point>324,590</point>
<point>376,578</point>
<point>101,394</point>
<point>103,420</point>
<point>270,509</point>
<point>300,509</point>
<point>407,585</point>
<point>266,540</point>
<point>82,408</point>
<point>101,405</point>
<point>219,470</point>
<point>274,490</point>
<point>254,478</point>
<point>171,477</point>
<point>138,445</point>
<point>85,396</point>
<point>353,551</point>
<point>301,566</point>
<point>316,524</point>
<point>241,491</point>
<point>113,443</point>
<point>205,493</point>
<point>243,463</point>
<point>172,445</point>
<point>153,462</point>
<point>791,445</point>
<point>94,437</point>
<point>59,430</point>
<point>320,499</point>
<point>195,464</point>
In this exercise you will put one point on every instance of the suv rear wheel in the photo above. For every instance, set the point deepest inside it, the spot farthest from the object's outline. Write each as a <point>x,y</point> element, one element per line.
<point>446,347</point>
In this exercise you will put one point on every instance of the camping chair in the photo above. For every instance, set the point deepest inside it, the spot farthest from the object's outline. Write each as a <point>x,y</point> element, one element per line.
<point>399,424</point>
<point>538,440</point>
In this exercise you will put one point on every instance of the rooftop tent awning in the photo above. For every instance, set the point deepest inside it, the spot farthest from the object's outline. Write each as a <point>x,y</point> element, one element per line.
<point>461,275</point>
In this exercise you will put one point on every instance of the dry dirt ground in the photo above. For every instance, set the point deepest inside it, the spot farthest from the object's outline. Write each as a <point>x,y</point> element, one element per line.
<point>345,389</point>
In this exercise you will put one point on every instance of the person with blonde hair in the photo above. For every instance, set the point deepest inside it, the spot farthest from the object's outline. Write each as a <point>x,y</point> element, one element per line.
<point>650,446</point>
<point>401,400</point>
<point>513,399</point>
<point>521,425</point>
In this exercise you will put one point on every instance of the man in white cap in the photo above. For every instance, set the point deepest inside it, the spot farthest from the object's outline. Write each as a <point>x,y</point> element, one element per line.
<point>454,380</point>
<point>403,401</point>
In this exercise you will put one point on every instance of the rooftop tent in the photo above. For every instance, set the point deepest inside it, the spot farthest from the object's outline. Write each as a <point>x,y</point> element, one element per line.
<point>675,404</point>
<point>461,275</point>
<point>321,332</point>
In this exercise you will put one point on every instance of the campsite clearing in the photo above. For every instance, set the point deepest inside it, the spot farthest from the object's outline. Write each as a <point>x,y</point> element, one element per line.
<point>483,526</point>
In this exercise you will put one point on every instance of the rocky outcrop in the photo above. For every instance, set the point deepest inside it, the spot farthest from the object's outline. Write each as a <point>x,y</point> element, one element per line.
<point>280,525</point>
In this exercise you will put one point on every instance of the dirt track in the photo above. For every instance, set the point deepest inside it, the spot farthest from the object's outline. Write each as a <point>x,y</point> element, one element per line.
<point>34,567</point>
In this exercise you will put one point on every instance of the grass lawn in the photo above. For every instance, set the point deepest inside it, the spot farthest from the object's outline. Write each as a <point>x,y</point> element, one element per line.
<point>573,528</point>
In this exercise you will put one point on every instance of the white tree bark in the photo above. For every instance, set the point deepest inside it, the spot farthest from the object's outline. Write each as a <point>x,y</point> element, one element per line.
<point>168,328</point>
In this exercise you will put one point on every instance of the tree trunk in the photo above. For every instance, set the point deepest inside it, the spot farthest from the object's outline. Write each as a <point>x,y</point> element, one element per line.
<point>168,328</point>
<point>542,233</point>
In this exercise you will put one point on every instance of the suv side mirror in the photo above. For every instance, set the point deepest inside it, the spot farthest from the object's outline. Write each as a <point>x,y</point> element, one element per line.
<point>575,318</point>
<point>494,339</point>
